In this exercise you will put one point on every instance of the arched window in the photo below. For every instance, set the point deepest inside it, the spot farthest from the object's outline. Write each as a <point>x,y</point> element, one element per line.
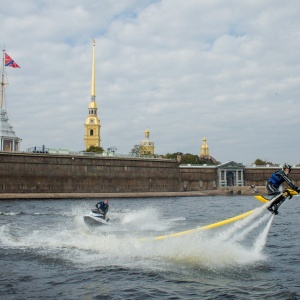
<point>91,132</point>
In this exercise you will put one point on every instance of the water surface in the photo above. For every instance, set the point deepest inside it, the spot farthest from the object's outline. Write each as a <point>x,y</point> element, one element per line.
<point>47,251</point>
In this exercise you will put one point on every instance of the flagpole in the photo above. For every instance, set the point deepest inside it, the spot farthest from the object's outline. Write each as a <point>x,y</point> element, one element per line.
<point>2,81</point>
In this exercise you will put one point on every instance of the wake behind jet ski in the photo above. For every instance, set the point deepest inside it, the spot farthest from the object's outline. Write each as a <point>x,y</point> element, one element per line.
<point>98,216</point>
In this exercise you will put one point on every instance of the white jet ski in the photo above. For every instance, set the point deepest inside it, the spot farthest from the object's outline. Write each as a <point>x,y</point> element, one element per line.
<point>94,218</point>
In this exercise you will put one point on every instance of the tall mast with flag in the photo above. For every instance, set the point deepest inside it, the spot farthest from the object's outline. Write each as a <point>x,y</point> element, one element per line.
<point>8,139</point>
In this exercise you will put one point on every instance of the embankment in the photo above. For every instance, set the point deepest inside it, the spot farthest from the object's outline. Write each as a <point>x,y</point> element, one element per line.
<point>227,191</point>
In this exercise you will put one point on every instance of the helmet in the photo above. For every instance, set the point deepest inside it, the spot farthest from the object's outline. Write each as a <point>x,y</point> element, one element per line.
<point>286,166</point>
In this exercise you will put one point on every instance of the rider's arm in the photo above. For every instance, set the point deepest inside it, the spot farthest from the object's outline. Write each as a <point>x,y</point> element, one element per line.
<point>288,181</point>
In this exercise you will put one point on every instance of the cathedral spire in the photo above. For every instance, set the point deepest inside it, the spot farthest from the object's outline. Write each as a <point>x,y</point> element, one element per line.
<point>92,122</point>
<point>93,86</point>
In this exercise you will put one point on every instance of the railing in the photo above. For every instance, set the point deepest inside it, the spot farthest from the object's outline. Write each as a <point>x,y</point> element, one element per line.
<point>197,166</point>
<point>44,150</point>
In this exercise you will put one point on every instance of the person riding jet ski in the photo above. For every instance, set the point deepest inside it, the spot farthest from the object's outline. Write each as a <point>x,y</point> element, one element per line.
<point>103,207</point>
<point>274,183</point>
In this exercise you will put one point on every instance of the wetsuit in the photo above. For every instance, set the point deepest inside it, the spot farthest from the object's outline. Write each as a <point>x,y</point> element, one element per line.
<point>276,180</point>
<point>102,207</point>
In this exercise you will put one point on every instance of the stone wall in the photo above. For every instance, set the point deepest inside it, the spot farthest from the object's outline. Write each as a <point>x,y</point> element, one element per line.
<point>47,173</point>
<point>206,177</point>
<point>260,175</point>
<point>56,173</point>
<point>197,179</point>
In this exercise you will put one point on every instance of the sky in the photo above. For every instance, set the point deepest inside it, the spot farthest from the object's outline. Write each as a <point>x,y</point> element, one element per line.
<point>225,70</point>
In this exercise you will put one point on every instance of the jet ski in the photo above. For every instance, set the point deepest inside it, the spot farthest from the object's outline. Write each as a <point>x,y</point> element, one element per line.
<point>94,218</point>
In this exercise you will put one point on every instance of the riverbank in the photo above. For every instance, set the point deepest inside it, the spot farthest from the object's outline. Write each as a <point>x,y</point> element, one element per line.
<point>224,191</point>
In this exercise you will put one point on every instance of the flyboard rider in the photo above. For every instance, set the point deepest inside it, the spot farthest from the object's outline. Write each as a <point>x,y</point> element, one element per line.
<point>103,207</point>
<point>274,185</point>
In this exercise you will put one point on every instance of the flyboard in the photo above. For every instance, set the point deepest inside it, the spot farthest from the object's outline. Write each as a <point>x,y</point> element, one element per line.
<point>94,218</point>
<point>275,202</point>
<point>278,200</point>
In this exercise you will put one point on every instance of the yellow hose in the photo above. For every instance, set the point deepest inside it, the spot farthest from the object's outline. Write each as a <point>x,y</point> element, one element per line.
<point>210,226</point>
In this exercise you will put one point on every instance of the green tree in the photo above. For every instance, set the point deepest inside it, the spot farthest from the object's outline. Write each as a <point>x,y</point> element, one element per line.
<point>172,155</point>
<point>95,149</point>
<point>260,162</point>
<point>188,158</point>
<point>208,161</point>
<point>135,151</point>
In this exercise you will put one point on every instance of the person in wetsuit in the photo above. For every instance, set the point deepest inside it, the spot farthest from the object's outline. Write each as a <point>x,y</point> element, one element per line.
<point>103,207</point>
<point>274,183</point>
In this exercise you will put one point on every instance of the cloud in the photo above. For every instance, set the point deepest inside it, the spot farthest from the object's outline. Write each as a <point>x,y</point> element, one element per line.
<point>184,69</point>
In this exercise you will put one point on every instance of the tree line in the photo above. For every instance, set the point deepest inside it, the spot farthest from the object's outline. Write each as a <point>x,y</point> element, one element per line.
<point>186,158</point>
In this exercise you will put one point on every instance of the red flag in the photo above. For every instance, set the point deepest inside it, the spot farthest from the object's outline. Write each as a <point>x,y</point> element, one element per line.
<point>9,62</point>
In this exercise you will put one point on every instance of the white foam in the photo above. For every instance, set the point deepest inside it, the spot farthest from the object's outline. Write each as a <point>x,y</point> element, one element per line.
<point>262,238</point>
<point>120,243</point>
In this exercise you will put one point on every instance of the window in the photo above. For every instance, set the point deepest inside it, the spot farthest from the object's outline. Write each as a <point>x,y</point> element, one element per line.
<point>91,132</point>
<point>222,175</point>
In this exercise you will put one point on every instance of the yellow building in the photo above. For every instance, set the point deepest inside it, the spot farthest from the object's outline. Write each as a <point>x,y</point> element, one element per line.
<point>146,146</point>
<point>92,122</point>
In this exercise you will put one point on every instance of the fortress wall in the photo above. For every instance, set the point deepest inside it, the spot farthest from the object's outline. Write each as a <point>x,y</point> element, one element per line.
<point>259,175</point>
<point>197,179</point>
<point>54,173</point>
<point>208,177</point>
<point>48,173</point>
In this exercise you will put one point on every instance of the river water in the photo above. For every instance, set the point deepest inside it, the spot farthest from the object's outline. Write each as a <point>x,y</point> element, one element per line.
<point>47,251</point>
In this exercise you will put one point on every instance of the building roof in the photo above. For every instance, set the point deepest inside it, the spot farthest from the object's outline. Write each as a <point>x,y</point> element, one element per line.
<point>6,130</point>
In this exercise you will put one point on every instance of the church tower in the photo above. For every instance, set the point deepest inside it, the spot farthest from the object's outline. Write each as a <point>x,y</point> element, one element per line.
<point>146,146</point>
<point>204,150</point>
<point>92,122</point>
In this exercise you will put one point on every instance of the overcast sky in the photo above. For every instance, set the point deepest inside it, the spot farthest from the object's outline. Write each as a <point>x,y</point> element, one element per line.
<point>225,70</point>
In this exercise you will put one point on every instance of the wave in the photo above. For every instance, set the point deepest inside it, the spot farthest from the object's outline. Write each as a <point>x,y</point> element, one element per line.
<point>11,213</point>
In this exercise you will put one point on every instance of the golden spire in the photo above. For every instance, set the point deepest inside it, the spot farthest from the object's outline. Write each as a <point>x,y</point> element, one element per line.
<point>204,149</point>
<point>147,133</point>
<point>93,88</point>
<point>92,122</point>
